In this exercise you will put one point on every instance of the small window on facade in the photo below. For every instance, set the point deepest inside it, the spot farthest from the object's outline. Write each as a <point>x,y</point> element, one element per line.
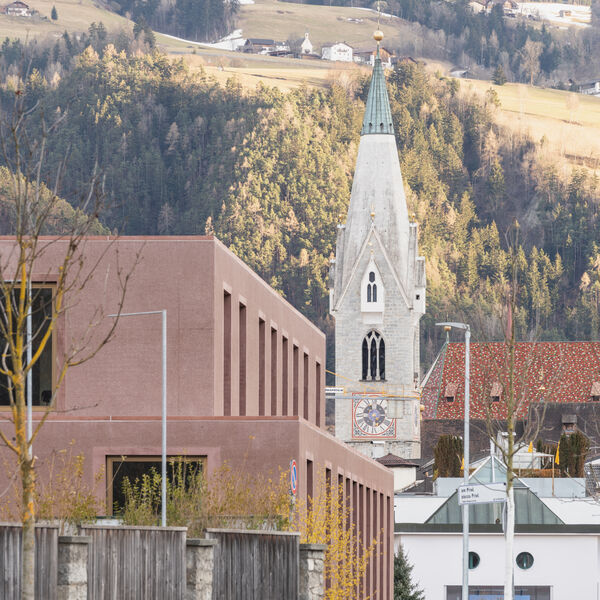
<point>595,391</point>
<point>496,391</point>
<point>41,373</point>
<point>524,560</point>
<point>181,470</point>
<point>371,288</point>
<point>450,392</point>
<point>473,560</point>
<point>373,357</point>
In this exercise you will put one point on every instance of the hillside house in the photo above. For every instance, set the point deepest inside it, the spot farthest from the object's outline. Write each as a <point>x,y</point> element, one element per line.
<point>367,57</point>
<point>591,88</point>
<point>17,9</point>
<point>259,46</point>
<point>340,51</point>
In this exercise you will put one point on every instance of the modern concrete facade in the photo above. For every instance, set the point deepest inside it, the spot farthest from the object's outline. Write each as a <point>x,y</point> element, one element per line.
<point>246,375</point>
<point>377,283</point>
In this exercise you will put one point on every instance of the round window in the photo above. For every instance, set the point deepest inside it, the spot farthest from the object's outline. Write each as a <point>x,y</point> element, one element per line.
<point>473,560</point>
<point>524,560</point>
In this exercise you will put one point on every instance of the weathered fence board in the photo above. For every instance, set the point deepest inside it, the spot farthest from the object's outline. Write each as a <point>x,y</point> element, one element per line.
<point>136,563</point>
<point>46,557</point>
<point>255,565</point>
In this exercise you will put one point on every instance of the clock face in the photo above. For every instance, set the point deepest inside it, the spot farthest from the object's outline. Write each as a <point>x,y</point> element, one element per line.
<point>370,418</point>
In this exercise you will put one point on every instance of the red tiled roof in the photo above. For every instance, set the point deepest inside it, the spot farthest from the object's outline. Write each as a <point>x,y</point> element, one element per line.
<point>391,460</point>
<point>544,372</point>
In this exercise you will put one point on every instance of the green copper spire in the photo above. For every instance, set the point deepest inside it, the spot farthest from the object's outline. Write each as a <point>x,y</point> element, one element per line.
<point>378,115</point>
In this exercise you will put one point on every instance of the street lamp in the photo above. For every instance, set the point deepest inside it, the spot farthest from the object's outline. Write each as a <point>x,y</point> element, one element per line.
<point>163,489</point>
<point>465,507</point>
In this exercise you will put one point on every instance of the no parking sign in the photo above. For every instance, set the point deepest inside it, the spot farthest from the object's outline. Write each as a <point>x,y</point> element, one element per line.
<point>293,477</point>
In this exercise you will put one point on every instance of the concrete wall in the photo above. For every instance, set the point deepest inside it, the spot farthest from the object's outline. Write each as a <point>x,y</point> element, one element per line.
<point>567,563</point>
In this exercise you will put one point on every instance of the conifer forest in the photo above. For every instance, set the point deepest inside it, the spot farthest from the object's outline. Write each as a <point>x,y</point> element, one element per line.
<point>269,173</point>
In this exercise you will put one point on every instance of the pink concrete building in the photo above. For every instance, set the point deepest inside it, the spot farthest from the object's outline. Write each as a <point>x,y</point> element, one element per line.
<point>246,376</point>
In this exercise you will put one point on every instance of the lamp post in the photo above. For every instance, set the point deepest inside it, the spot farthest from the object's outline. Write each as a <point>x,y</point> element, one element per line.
<point>163,489</point>
<point>465,507</point>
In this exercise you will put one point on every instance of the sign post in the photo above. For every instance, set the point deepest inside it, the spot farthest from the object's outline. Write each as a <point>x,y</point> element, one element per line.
<point>482,493</point>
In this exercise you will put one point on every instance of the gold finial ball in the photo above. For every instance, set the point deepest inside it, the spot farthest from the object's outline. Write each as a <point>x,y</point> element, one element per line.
<point>378,35</point>
<point>372,214</point>
<point>447,328</point>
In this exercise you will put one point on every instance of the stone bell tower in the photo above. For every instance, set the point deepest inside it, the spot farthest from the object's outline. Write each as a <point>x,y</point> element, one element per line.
<point>377,295</point>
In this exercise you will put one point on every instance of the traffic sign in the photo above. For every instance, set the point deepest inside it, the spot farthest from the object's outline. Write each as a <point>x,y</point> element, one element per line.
<point>293,477</point>
<point>333,391</point>
<point>482,493</point>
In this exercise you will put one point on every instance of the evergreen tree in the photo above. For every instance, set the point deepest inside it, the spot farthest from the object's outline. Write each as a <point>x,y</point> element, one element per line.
<point>499,77</point>
<point>54,14</point>
<point>404,589</point>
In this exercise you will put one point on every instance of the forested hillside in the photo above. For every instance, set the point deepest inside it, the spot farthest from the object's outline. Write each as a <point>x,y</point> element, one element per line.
<point>270,174</point>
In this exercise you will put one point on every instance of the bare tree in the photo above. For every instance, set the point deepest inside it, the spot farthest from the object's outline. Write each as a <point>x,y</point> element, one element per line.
<point>530,58</point>
<point>29,315</point>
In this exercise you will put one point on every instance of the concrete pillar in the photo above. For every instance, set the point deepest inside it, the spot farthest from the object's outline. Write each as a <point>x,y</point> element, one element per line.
<point>312,572</point>
<point>199,556</point>
<point>72,567</point>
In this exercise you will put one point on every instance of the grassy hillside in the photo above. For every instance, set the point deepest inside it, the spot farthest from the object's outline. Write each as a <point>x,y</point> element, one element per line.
<point>570,123</point>
<point>73,16</point>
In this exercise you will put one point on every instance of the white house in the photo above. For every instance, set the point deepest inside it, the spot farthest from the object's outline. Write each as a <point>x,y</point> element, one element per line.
<point>556,548</point>
<point>591,88</point>
<point>340,51</point>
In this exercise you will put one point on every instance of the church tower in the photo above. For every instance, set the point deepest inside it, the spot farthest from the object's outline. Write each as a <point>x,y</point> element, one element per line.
<point>377,295</point>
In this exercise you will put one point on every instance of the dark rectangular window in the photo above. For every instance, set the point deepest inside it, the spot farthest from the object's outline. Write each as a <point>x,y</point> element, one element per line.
<point>305,381</point>
<point>273,371</point>
<point>309,482</point>
<point>41,373</point>
<point>184,470</point>
<point>318,392</point>
<point>284,376</point>
<point>242,358</point>
<point>295,367</point>
<point>226,353</point>
<point>261,367</point>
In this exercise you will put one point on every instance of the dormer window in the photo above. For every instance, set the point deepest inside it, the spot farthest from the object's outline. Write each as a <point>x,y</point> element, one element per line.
<point>372,292</point>
<point>450,391</point>
<point>371,288</point>
<point>496,391</point>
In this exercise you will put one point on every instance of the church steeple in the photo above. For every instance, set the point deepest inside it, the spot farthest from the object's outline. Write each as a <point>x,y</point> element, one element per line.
<point>377,291</point>
<point>377,201</point>
<point>378,115</point>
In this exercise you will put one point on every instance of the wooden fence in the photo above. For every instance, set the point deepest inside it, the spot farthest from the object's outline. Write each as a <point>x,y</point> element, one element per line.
<point>46,560</point>
<point>255,565</point>
<point>136,563</point>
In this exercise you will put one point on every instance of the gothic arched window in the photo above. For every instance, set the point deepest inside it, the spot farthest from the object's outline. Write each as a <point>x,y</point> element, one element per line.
<point>372,288</point>
<point>373,357</point>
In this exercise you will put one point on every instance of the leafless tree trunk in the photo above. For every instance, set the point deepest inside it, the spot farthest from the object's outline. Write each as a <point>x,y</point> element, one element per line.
<point>36,210</point>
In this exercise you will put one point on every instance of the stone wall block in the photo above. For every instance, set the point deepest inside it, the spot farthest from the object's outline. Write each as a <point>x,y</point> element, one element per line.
<point>199,568</point>
<point>72,567</point>
<point>312,572</point>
